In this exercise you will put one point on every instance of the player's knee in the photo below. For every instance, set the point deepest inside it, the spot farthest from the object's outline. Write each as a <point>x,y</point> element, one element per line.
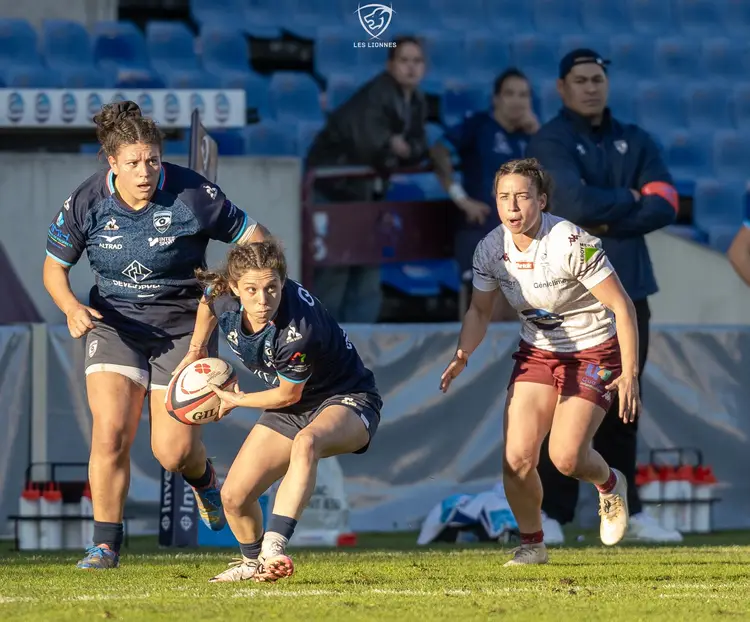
<point>111,445</point>
<point>305,447</point>
<point>519,463</point>
<point>172,456</point>
<point>566,461</point>
<point>233,501</point>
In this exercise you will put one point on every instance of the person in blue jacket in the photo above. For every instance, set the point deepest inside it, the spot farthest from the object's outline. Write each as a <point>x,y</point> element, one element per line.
<point>610,179</point>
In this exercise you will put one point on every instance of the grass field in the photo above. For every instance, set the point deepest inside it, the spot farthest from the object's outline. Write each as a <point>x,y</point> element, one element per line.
<point>388,578</point>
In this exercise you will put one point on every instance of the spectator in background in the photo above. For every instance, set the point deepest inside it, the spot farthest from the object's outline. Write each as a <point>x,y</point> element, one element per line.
<point>609,179</point>
<point>739,252</point>
<point>484,142</point>
<point>383,126</point>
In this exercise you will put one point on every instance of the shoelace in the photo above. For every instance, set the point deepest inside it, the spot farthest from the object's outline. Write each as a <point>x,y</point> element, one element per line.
<point>96,551</point>
<point>238,566</point>
<point>523,551</point>
<point>610,506</point>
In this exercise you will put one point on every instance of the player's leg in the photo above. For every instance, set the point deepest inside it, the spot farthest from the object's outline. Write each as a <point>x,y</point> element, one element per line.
<point>343,424</point>
<point>179,447</point>
<point>116,380</point>
<point>262,459</point>
<point>581,408</point>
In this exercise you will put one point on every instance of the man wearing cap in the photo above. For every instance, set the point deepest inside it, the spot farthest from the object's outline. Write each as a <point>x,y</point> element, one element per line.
<point>609,179</point>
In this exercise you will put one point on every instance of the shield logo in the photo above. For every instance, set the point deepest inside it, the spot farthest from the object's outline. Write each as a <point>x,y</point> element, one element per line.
<point>162,220</point>
<point>375,18</point>
<point>621,146</point>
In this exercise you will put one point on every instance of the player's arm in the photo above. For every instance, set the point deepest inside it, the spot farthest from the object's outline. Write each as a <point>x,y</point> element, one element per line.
<point>739,253</point>
<point>220,218</point>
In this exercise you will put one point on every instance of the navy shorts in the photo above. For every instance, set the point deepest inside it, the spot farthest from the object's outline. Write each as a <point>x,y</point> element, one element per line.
<point>366,405</point>
<point>148,361</point>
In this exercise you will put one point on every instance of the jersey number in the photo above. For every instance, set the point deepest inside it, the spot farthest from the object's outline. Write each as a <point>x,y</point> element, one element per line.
<point>305,295</point>
<point>346,340</point>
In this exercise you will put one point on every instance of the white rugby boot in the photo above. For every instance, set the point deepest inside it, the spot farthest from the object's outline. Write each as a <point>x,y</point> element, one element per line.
<point>275,564</point>
<point>242,569</point>
<point>528,554</point>
<point>613,509</point>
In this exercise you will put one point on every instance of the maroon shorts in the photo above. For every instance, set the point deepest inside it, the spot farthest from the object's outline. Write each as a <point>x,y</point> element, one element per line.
<point>574,374</point>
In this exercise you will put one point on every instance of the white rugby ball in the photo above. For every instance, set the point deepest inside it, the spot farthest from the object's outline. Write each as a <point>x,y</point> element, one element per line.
<point>189,398</point>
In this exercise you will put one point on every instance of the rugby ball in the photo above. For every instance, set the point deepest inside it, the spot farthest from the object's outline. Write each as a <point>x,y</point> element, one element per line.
<point>190,399</point>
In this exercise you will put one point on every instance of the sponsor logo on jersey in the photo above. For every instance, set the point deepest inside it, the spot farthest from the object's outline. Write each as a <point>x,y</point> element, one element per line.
<point>111,225</point>
<point>525,265</point>
<point>109,244</point>
<point>573,238</point>
<point>587,252</point>
<point>162,220</point>
<point>298,357</point>
<point>161,241</point>
<point>60,220</point>
<point>137,272</point>
<point>211,191</point>
<point>595,377</point>
<point>552,283</point>
<point>543,320</point>
<point>92,347</point>
<point>293,335</point>
<point>66,205</point>
<point>232,338</point>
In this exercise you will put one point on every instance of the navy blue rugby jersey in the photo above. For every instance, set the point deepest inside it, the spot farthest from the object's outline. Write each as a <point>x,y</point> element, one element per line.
<point>302,343</point>
<point>144,260</point>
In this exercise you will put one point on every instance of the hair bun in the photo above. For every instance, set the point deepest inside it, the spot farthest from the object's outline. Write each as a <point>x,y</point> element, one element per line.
<point>116,112</point>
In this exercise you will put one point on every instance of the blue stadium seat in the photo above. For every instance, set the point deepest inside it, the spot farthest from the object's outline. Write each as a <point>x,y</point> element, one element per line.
<point>536,55</point>
<point>677,58</point>
<point>659,107</point>
<point>403,188</point>
<point>487,55</point>
<point>689,155</point>
<point>190,79</point>
<point>408,18</point>
<point>457,100</point>
<point>430,185</point>
<point>724,58</point>
<point>732,155</point>
<point>413,279</point>
<point>549,99</point>
<point>86,78</point>
<point>632,56</point>
<point>18,43</point>
<point>740,105</point>
<point>66,44</point>
<point>333,51</point>
<point>171,47</point>
<point>651,17</point>
<point>90,148</point>
<point>707,106</point>
<point>31,77</point>
<point>718,202</point>
<point>263,18</point>
<point>306,133</point>
<point>304,17</point>
<point>434,133</point>
<point>256,90</point>
<point>463,16</point>
<point>269,138</point>
<point>120,45</point>
<point>698,17</point>
<point>622,101</point>
<point>339,89</point>
<point>138,79</point>
<point>556,16</point>
<point>598,43</point>
<point>445,53</point>
<point>228,13</point>
<point>224,51</point>
<point>720,237</point>
<point>509,17</point>
<point>295,97</point>
<point>229,142</point>
<point>735,17</point>
<point>605,17</point>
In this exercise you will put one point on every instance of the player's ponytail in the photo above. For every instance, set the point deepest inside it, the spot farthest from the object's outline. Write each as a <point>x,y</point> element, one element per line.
<point>265,255</point>
<point>532,169</point>
<point>122,123</point>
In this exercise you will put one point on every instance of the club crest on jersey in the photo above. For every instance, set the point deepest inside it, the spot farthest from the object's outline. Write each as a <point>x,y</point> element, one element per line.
<point>210,190</point>
<point>621,146</point>
<point>162,220</point>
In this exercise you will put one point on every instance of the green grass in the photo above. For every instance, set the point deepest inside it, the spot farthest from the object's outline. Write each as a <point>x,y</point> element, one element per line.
<point>388,578</point>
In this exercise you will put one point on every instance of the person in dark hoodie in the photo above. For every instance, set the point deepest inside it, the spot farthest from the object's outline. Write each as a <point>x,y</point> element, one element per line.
<point>609,179</point>
<point>382,126</point>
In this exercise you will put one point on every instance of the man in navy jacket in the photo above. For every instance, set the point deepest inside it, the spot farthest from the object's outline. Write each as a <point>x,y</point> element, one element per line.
<point>610,179</point>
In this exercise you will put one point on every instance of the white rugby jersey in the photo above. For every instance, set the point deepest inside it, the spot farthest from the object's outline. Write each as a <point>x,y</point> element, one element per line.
<point>548,284</point>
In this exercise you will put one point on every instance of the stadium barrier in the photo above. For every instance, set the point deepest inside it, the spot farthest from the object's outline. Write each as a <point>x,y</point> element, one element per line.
<point>428,446</point>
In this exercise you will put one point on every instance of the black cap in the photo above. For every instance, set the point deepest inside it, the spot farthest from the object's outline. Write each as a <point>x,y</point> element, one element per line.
<point>581,56</point>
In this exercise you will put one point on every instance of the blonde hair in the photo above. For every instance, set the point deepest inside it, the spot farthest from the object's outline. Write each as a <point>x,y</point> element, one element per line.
<point>265,255</point>
<point>531,169</point>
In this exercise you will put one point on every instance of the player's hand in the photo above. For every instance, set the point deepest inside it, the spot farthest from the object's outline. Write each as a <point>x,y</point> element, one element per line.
<point>475,211</point>
<point>455,367</point>
<point>400,147</point>
<point>636,194</point>
<point>629,396</point>
<point>529,123</point>
<point>81,320</point>
<point>229,399</point>
<point>598,230</point>
<point>195,353</point>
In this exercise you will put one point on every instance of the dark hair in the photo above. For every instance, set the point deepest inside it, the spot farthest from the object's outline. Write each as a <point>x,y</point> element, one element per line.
<point>121,123</point>
<point>511,72</point>
<point>401,40</point>
<point>531,169</point>
<point>265,255</point>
